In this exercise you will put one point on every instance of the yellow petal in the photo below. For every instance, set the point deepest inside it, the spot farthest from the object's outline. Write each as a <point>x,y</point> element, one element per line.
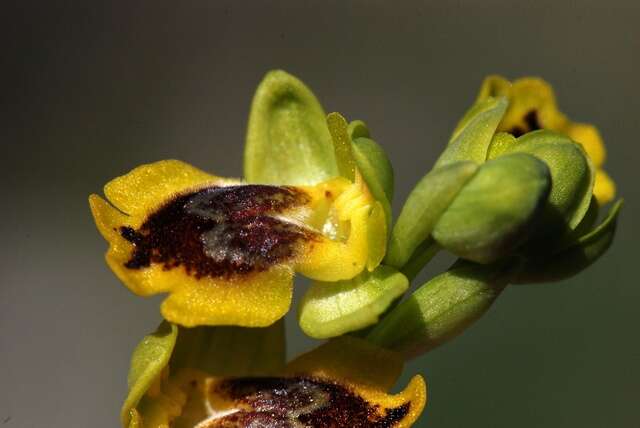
<point>590,139</point>
<point>532,105</point>
<point>494,86</point>
<point>257,300</point>
<point>366,370</point>
<point>604,188</point>
<point>142,190</point>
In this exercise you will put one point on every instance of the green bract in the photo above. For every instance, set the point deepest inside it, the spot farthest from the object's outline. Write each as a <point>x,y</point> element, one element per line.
<point>440,309</point>
<point>287,137</point>
<point>496,209</point>
<point>332,309</point>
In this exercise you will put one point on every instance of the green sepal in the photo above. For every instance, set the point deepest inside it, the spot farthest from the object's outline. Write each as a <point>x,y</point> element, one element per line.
<point>330,309</point>
<point>288,141</point>
<point>571,174</point>
<point>574,258</point>
<point>219,351</point>
<point>358,129</point>
<point>472,137</point>
<point>339,130</point>
<point>426,203</point>
<point>496,210</point>
<point>501,143</point>
<point>440,309</point>
<point>148,360</point>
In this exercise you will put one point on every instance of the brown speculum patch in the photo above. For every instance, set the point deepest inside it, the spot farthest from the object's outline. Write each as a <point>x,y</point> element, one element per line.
<point>532,123</point>
<point>220,231</point>
<point>300,402</point>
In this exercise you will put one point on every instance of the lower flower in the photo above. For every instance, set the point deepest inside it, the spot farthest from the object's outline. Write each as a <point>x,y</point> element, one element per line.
<point>343,383</point>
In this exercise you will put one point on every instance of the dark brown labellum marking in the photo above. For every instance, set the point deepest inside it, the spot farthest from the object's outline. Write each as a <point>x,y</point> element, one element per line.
<point>532,124</point>
<point>219,231</point>
<point>300,402</point>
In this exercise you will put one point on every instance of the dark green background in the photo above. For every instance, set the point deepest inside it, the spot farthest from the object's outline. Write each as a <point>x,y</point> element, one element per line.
<point>91,90</point>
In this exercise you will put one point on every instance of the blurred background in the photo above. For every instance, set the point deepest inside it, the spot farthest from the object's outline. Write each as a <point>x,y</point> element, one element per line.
<point>91,90</point>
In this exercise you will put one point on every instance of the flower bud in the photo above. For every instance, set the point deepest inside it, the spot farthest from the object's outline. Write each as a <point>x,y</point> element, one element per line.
<point>496,210</point>
<point>440,309</point>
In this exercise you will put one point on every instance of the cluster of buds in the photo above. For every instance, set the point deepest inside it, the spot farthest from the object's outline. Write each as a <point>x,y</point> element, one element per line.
<point>515,195</point>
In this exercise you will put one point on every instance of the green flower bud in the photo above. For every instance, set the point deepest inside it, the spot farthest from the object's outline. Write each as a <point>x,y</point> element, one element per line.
<point>495,210</point>
<point>440,309</point>
<point>575,257</point>
<point>571,173</point>
<point>424,206</point>
<point>472,136</point>
<point>288,140</point>
<point>330,309</point>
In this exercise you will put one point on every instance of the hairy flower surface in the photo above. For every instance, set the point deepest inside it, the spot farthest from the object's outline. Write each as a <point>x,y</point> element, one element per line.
<point>532,106</point>
<point>226,251</point>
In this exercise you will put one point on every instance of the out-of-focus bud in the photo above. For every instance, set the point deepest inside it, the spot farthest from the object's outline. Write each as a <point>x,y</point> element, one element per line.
<point>440,309</point>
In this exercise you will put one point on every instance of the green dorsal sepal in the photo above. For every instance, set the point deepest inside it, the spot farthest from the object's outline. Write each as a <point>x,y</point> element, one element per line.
<point>288,141</point>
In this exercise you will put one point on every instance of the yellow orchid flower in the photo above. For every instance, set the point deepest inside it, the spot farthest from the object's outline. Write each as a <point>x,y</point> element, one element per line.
<point>342,383</point>
<point>532,106</point>
<point>226,251</point>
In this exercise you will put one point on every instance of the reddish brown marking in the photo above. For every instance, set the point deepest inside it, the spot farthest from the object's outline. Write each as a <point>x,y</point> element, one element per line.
<point>219,231</point>
<point>301,401</point>
<point>532,124</point>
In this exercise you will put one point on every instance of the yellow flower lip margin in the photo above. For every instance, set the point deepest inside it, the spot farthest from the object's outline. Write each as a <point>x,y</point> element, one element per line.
<point>334,216</point>
<point>532,105</point>
<point>341,383</point>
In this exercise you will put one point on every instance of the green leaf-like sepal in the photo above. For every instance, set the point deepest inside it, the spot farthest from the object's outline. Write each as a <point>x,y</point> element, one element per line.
<point>148,360</point>
<point>440,309</point>
<point>496,210</point>
<point>472,137</point>
<point>288,141</point>
<point>571,173</point>
<point>331,309</point>
<point>424,206</point>
<point>574,258</point>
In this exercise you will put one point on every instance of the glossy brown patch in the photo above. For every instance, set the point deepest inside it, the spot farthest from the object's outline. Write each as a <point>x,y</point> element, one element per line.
<point>219,231</point>
<point>300,402</point>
